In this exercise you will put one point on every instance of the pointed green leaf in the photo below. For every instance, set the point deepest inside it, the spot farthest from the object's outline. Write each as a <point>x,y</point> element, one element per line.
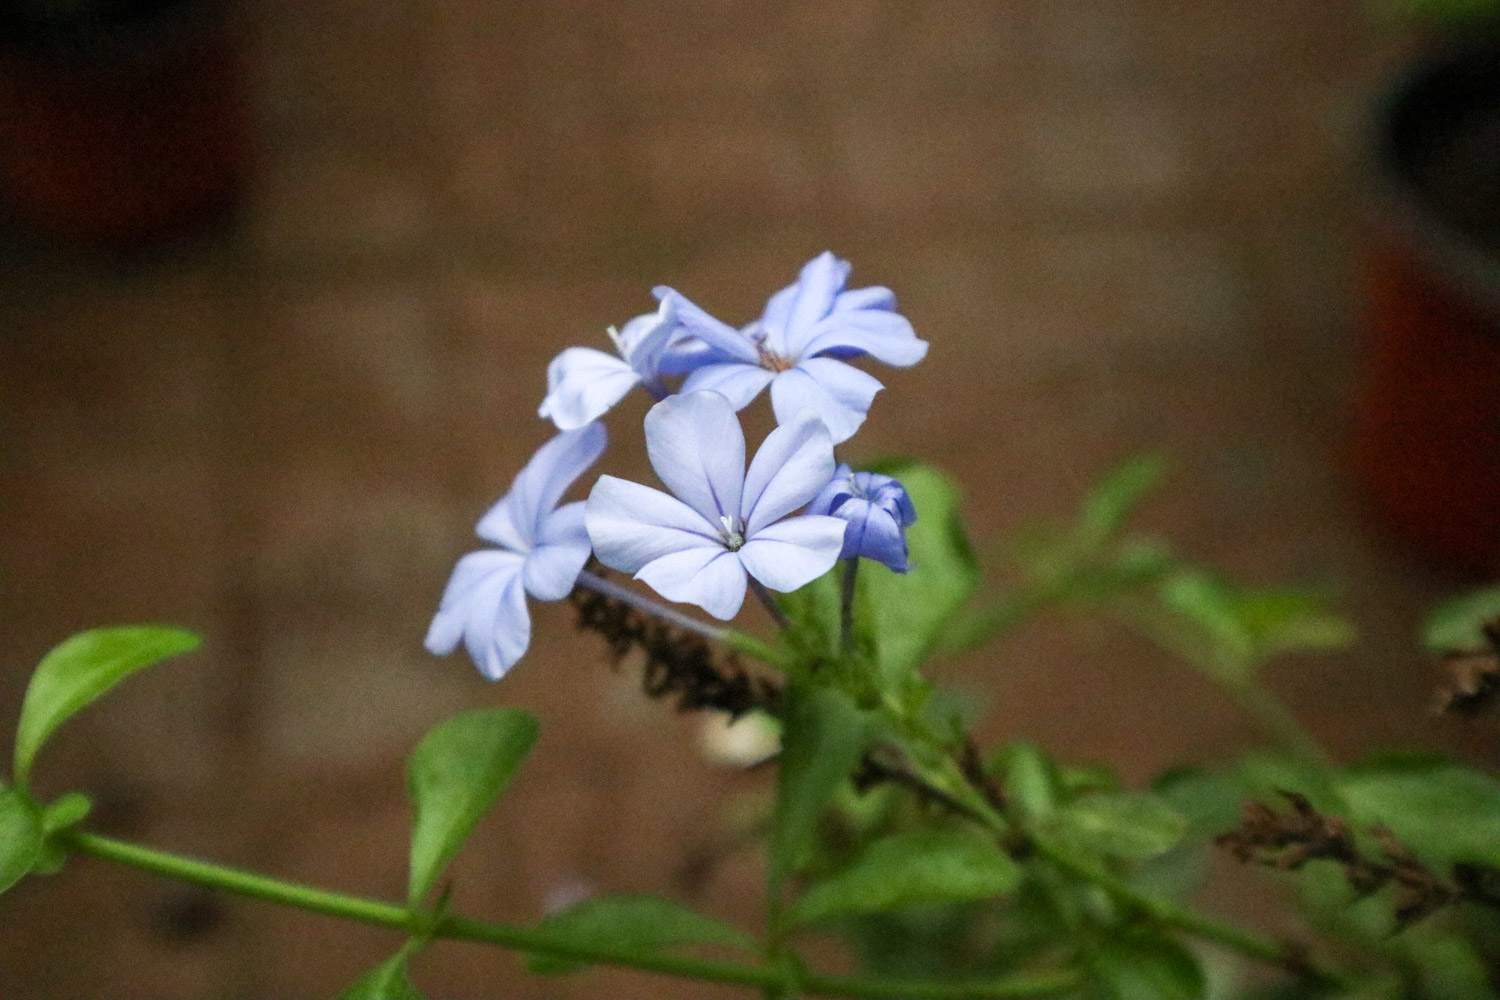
<point>20,837</point>
<point>1455,625</point>
<point>824,737</point>
<point>1209,604</point>
<point>911,869</point>
<point>1029,777</point>
<point>387,981</point>
<point>77,672</point>
<point>65,811</point>
<point>629,922</point>
<point>1291,621</point>
<point>454,777</point>
<point>904,615</point>
<point>1444,812</point>
<point>1144,966</point>
<point>1130,825</point>
<point>1115,497</point>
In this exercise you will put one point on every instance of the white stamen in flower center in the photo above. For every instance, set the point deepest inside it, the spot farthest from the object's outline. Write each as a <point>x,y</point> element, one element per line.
<point>732,533</point>
<point>614,335</point>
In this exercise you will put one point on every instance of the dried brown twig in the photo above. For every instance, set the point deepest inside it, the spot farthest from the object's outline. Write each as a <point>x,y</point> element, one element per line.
<point>1289,840</point>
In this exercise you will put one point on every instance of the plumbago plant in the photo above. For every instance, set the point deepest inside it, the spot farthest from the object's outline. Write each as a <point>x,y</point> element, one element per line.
<point>952,871</point>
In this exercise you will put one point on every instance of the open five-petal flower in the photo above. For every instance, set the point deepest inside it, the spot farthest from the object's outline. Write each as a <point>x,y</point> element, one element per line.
<point>541,550</point>
<point>800,344</point>
<point>724,521</point>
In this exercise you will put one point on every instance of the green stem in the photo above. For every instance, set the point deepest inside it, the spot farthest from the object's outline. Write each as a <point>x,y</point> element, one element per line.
<point>1278,723</point>
<point>1164,911</point>
<point>398,918</point>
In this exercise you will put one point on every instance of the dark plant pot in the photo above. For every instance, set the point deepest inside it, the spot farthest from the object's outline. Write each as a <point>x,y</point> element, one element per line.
<point>1427,423</point>
<point>121,121</point>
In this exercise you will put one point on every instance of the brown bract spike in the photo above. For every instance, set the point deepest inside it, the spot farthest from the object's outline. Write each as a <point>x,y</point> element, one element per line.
<point>676,664</point>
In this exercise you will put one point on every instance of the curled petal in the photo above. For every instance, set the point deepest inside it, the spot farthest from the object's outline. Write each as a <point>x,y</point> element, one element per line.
<point>838,394</point>
<point>883,335</point>
<point>583,384</point>
<point>790,468</point>
<point>700,324</point>
<point>644,339</point>
<point>516,520</point>
<point>736,381</point>
<point>697,448</point>
<point>710,577</point>
<point>561,551</point>
<point>874,534</point>
<point>630,525</point>
<point>839,489</point>
<point>793,552</point>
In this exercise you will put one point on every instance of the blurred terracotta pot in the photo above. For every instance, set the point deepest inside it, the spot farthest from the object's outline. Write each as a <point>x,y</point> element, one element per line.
<point>1427,432</point>
<point>121,121</point>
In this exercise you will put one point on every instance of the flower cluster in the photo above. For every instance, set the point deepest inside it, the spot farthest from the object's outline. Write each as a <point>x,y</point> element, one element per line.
<point>722,527</point>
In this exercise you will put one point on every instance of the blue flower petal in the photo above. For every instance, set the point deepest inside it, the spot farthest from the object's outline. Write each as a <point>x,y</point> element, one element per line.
<point>838,394</point>
<point>874,534</point>
<point>710,577</point>
<point>583,384</point>
<point>713,332</point>
<point>794,552</point>
<point>562,549</point>
<point>736,381</point>
<point>516,520</point>
<point>484,606</point>
<point>790,468</point>
<point>697,448</point>
<point>885,336</point>
<point>821,280</point>
<point>630,525</point>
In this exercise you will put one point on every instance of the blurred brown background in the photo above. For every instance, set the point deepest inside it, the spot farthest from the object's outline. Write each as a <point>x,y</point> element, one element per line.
<point>1120,224</point>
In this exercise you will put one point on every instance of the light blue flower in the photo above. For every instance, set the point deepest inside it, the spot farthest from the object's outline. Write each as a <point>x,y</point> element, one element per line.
<point>799,345</point>
<point>583,384</point>
<point>542,549</point>
<point>723,521</point>
<point>878,512</point>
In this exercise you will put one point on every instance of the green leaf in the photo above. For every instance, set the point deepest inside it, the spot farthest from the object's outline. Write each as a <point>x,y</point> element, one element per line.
<point>1210,802</point>
<point>20,837</point>
<point>1237,629</point>
<point>911,869</point>
<point>454,777</point>
<point>1291,621</point>
<point>77,672</point>
<point>814,613</point>
<point>824,737</point>
<point>387,981</point>
<point>628,922</point>
<point>1029,777</point>
<point>1115,497</point>
<point>1144,966</point>
<point>1444,812</point>
<point>1456,625</point>
<point>65,811</point>
<point>904,615</point>
<point>1130,825</point>
<point>1208,603</point>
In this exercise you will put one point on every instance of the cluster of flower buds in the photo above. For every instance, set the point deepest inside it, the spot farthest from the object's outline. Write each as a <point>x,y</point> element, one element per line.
<point>722,527</point>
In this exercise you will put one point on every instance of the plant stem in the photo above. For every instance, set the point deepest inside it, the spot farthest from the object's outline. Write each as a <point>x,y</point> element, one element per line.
<point>397,918</point>
<point>764,596</point>
<point>846,605</point>
<point>646,605</point>
<point>1278,723</point>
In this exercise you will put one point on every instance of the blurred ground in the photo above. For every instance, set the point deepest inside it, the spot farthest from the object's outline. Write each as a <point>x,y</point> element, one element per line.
<point>1121,225</point>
